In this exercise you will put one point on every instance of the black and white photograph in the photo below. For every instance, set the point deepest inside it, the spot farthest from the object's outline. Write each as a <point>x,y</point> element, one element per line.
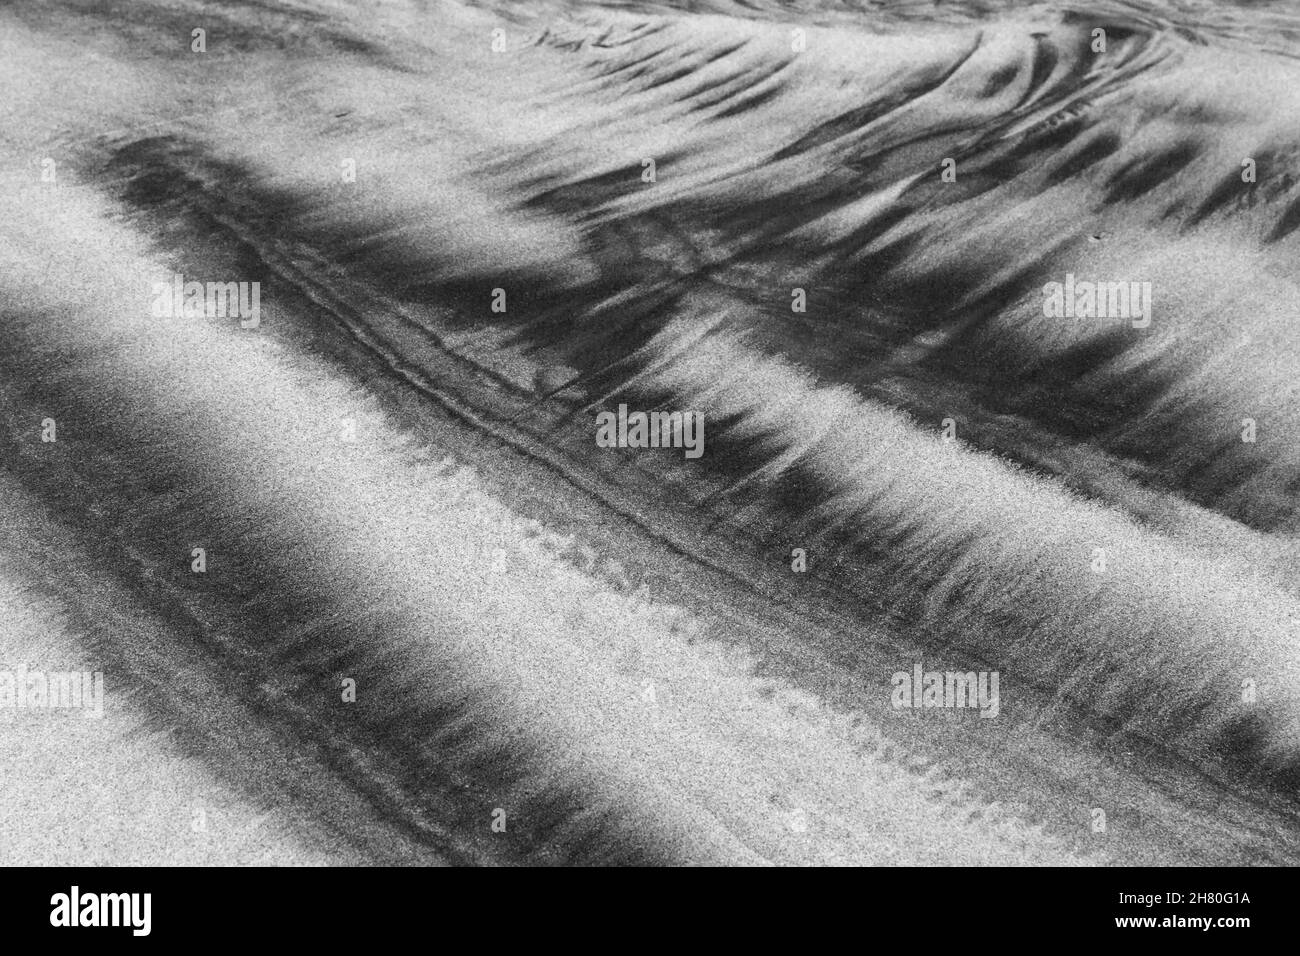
<point>650,433</point>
